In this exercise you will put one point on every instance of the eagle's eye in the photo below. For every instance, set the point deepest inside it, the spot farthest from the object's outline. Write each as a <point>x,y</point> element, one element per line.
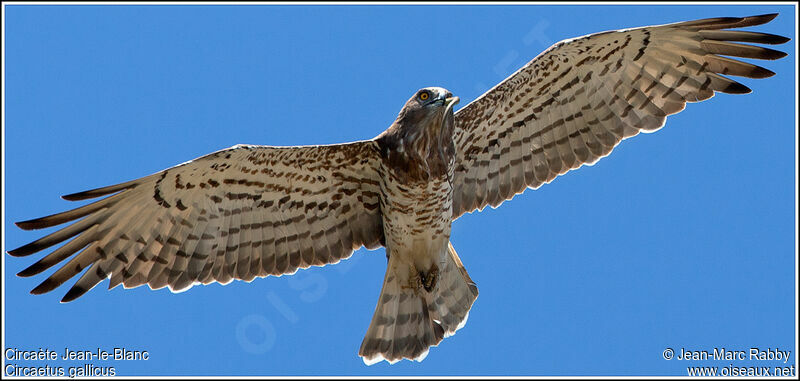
<point>424,95</point>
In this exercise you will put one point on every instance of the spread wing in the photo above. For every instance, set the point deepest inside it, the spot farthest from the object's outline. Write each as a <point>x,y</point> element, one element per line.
<point>572,104</point>
<point>238,213</point>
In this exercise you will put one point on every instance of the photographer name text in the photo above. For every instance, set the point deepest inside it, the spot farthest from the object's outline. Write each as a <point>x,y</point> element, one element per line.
<point>717,354</point>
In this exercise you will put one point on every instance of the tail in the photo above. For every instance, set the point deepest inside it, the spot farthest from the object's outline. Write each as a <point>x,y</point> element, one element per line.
<point>408,320</point>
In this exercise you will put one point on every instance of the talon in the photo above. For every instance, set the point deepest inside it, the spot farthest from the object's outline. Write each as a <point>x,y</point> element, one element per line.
<point>414,283</point>
<point>428,282</point>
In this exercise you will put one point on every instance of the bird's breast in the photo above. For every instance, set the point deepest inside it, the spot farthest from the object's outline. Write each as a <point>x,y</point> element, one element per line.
<point>416,215</point>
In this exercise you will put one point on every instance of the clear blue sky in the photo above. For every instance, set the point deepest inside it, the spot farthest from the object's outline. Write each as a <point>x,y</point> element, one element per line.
<point>682,239</point>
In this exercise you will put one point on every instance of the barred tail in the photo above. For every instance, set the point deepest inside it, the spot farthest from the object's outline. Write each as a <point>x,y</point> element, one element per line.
<point>409,320</point>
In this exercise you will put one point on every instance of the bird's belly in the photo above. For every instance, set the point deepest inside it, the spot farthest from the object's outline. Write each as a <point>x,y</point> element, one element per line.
<point>416,222</point>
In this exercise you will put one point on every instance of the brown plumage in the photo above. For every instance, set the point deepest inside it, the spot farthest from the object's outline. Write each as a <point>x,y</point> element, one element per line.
<point>575,102</point>
<point>253,211</point>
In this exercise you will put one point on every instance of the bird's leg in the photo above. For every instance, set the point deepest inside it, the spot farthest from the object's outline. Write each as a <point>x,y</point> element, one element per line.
<point>420,280</point>
<point>414,281</point>
<point>428,281</point>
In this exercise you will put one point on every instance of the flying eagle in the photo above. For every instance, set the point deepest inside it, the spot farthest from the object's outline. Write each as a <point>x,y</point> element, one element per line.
<point>252,211</point>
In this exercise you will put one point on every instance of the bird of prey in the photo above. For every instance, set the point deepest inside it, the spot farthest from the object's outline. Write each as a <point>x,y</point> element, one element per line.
<point>252,211</point>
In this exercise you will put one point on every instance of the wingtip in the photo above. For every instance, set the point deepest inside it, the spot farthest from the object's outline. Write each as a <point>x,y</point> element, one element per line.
<point>769,16</point>
<point>731,22</point>
<point>737,88</point>
<point>26,225</point>
<point>759,19</point>
<point>28,272</point>
<point>761,72</point>
<point>15,252</point>
<point>44,287</point>
<point>24,250</point>
<point>75,196</point>
<point>98,192</point>
<point>776,55</point>
<point>74,293</point>
<point>34,224</point>
<point>32,270</point>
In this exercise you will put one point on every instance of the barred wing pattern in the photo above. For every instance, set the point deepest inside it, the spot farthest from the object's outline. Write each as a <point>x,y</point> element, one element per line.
<point>572,104</point>
<point>238,213</point>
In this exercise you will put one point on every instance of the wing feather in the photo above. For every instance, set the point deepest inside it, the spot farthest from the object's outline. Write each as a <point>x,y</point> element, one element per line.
<point>573,104</point>
<point>244,247</point>
<point>238,213</point>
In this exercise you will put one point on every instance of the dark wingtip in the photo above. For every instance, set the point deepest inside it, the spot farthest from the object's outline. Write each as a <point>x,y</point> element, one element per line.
<point>775,39</point>
<point>74,293</point>
<point>41,222</point>
<point>772,39</point>
<point>97,192</point>
<point>775,54</point>
<point>27,225</point>
<point>740,22</point>
<point>27,272</point>
<point>26,249</point>
<point>761,72</point>
<point>18,252</point>
<point>76,196</point>
<point>737,88</point>
<point>760,19</point>
<point>44,287</point>
<point>769,16</point>
<point>32,270</point>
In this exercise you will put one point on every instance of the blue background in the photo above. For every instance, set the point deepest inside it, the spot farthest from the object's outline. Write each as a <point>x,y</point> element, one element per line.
<point>683,238</point>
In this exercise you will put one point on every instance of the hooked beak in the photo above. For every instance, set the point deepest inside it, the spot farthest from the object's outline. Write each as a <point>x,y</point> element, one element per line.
<point>450,102</point>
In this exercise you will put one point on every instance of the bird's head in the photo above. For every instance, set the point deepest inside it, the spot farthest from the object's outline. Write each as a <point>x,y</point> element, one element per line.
<point>421,138</point>
<point>428,107</point>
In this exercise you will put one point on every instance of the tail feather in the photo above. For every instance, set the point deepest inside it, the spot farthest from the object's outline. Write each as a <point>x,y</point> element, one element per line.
<point>409,320</point>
